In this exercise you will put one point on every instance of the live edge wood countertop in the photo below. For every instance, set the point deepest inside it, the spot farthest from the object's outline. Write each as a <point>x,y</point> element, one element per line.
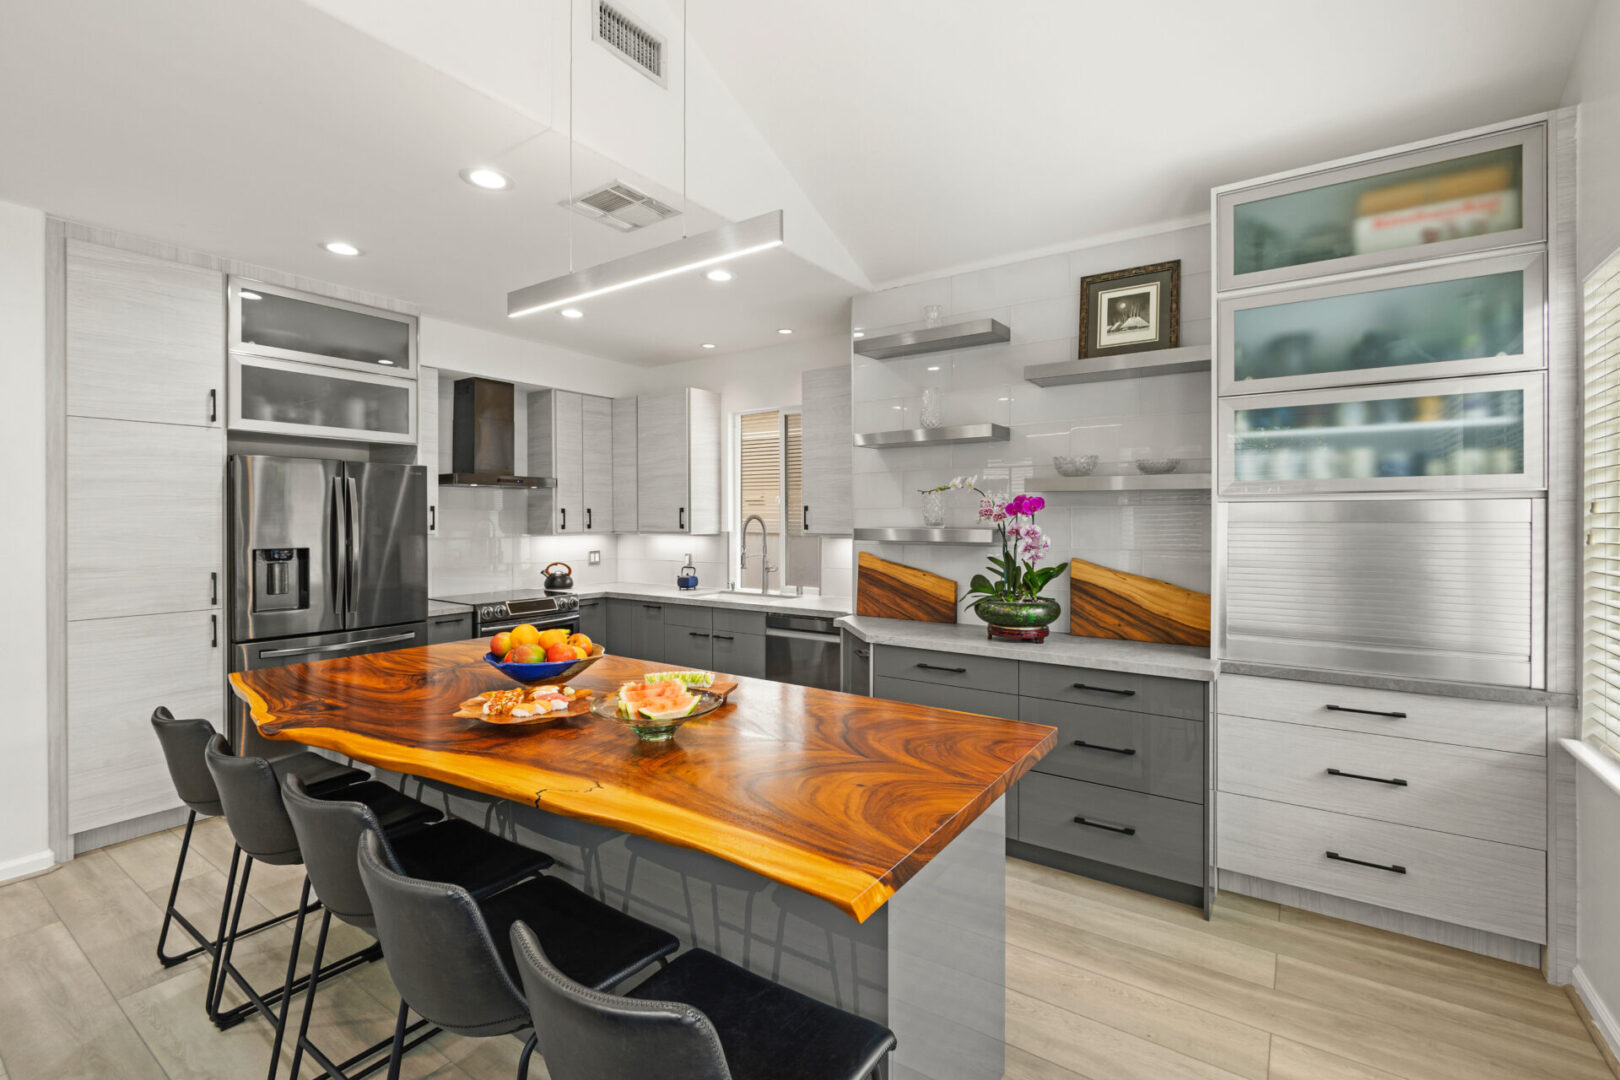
<point>839,796</point>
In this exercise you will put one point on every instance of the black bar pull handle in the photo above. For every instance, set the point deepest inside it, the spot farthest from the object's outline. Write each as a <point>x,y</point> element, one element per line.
<point>213,631</point>
<point>1128,751</point>
<point>213,587</point>
<point>213,406</point>
<point>864,654</point>
<point>940,667</point>
<point>724,637</point>
<point>448,619</point>
<point>1392,781</point>
<point>652,607</point>
<point>805,520</point>
<point>1367,712</point>
<point>681,521</point>
<point>1393,868</point>
<point>1105,690</point>
<point>587,518</point>
<point>1126,830</point>
<point>696,633</point>
<point>564,512</point>
<point>433,519</point>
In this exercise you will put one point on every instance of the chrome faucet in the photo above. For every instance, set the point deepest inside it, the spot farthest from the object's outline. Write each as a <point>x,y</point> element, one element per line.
<point>766,569</point>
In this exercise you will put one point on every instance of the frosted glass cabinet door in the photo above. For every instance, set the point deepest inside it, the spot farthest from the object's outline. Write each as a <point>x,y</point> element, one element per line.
<point>1470,195</point>
<point>297,399</point>
<point>1468,318</point>
<point>1447,435</point>
<point>268,320</point>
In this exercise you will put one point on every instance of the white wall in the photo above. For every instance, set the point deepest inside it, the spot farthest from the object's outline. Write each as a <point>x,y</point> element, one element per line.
<point>24,843</point>
<point>1597,949</point>
<point>1594,85</point>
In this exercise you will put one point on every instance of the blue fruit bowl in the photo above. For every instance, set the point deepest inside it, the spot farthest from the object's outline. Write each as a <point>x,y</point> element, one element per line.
<point>559,672</point>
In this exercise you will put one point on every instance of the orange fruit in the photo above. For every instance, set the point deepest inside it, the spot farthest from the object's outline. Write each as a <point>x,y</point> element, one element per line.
<point>554,636</point>
<point>558,652</point>
<point>582,641</point>
<point>525,635</point>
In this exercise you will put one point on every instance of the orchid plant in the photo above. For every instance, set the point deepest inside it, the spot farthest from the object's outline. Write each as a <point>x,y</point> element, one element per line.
<point>1023,545</point>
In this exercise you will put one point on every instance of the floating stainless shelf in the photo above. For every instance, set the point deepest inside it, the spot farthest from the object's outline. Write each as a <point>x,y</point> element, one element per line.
<point>1134,365</point>
<point>934,339</point>
<point>927,536</point>
<point>956,433</point>
<point>1134,482</point>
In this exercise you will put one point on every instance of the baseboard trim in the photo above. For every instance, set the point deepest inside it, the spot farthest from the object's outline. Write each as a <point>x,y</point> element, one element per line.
<point>1599,1019</point>
<point>1513,950</point>
<point>27,865</point>
<point>120,831</point>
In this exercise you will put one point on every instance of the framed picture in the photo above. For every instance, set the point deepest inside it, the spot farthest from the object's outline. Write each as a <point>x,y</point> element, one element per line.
<point>1131,310</point>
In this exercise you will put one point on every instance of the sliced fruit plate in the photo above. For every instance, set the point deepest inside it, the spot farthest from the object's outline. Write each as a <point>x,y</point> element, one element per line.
<point>655,710</point>
<point>531,705</point>
<point>722,685</point>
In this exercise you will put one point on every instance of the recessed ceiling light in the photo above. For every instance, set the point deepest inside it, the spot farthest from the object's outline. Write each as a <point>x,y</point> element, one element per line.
<point>487,178</point>
<point>385,361</point>
<point>718,274</point>
<point>708,344</point>
<point>249,294</point>
<point>933,367</point>
<point>860,333</point>
<point>572,313</point>
<point>785,330</point>
<point>341,247</point>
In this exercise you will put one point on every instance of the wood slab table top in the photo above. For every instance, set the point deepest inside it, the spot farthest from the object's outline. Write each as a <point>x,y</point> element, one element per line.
<point>840,796</point>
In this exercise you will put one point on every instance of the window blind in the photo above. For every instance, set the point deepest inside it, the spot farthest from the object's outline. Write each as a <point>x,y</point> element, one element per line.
<point>793,461</point>
<point>761,467</point>
<point>1600,667</point>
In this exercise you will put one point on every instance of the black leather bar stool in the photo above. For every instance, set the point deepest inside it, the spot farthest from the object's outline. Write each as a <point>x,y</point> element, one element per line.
<point>250,792</point>
<point>183,743</point>
<point>451,955</point>
<point>700,1018</point>
<point>329,831</point>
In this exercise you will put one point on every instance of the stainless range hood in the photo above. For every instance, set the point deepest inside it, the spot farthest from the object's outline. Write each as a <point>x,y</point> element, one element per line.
<point>482,441</point>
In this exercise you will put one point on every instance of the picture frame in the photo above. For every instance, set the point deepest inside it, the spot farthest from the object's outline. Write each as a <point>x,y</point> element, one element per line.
<point>1134,310</point>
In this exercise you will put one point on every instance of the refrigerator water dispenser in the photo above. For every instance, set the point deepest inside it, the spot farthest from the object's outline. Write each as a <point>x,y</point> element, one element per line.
<point>280,579</point>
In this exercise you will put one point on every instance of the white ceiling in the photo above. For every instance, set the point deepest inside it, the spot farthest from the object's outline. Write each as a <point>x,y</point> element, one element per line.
<point>942,134</point>
<point>258,130</point>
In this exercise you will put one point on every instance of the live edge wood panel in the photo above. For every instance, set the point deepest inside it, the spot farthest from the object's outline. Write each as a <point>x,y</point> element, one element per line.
<point>841,797</point>
<point>891,590</point>
<point>1109,603</point>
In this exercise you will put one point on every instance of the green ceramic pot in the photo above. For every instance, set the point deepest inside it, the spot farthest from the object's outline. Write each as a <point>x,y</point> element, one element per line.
<point>1017,613</point>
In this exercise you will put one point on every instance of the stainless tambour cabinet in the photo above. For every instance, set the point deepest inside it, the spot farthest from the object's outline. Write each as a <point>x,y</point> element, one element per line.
<point>1450,589</point>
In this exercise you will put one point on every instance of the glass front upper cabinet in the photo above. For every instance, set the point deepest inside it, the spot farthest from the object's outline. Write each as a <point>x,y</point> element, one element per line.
<point>1471,195</point>
<point>268,320</point>
<point>1468,318</point>
<point>1446,435</point>
<point>279,397</point>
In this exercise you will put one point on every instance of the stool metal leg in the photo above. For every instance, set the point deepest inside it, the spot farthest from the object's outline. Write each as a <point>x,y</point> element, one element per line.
<point>170,914</point>
<point>523,1062</point>
<point>222,951</point>
<point>292,972</point>
<point>309,994</point>
<point>396,1055</point>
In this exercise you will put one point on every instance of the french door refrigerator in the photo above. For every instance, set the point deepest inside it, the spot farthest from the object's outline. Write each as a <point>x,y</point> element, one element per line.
<point>328,559</point>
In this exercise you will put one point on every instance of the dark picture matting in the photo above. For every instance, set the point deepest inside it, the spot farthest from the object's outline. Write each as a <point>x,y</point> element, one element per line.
<point>1135,310</point>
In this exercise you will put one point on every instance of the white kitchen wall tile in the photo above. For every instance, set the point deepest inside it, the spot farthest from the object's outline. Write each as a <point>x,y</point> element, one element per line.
<point>879,311</point>
<point>837,553</point>
<point>1043,320</point>
<point>1010,283</point>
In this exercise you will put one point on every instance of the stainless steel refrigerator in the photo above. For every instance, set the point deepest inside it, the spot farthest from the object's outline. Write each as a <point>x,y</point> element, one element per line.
<point>328,559</point>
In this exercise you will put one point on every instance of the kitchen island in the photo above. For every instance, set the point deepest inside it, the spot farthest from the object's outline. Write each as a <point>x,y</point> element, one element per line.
<point>849,847</point>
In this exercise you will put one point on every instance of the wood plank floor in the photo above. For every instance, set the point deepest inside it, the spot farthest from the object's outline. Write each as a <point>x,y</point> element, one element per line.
<point>1103,984</point>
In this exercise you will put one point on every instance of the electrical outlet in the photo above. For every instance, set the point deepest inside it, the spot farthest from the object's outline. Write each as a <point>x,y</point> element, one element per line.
<point>595,558</point>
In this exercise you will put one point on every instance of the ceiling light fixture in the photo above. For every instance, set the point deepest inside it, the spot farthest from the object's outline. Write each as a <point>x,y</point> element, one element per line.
<point>689,253</point>
<point>249,294</point>
<point>718,275</point>
<point>572,313</point>
<point>708,344</point>
<point>486,178</point>
<point>785,330</point>
<point>933,367</point>
<point>341,247</point>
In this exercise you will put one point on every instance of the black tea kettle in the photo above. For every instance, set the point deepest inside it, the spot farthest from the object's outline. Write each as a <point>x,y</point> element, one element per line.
<point>563,582</point>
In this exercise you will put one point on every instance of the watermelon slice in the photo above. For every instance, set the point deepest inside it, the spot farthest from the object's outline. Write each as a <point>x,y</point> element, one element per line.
<point>667,700</point>
<point>686,678</point>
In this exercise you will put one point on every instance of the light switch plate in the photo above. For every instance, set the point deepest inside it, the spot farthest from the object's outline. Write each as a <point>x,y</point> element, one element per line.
<point>595,558</point>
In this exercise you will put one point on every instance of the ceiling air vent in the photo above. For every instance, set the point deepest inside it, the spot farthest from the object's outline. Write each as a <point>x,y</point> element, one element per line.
<point>630,41</point>
<point>622,207</point>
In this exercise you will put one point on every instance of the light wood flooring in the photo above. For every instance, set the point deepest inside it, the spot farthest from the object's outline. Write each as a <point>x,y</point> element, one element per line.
<point>1103,983</point>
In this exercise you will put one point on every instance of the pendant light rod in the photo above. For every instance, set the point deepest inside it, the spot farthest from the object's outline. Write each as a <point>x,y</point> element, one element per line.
<point>667,260</point>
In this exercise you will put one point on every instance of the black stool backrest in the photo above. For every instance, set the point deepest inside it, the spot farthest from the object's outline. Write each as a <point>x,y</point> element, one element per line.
<point>329,832</point>
<point>183,742</point>
<point>252,801</point>
<point>439,951</point>
<point>588,1035</point>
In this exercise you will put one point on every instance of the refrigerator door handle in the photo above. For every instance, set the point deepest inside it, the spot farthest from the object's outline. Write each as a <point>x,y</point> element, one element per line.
<point>276,654</point>
<point>340,548</point>
<point>353,506</point>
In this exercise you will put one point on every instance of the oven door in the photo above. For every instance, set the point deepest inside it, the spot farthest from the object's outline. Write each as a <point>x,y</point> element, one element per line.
<point>569,622</point>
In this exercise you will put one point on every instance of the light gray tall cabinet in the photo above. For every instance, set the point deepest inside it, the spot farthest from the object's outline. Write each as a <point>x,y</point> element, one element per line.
<point>828,432</point>
<point>626,517</point>
<point>145,361</point>
<point>570,438</point>
<point>678,462</point>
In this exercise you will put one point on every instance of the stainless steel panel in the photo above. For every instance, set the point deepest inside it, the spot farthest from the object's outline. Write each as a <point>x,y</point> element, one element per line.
<point>388,575</point>
<point>1532,265</point>
<point>948,435</point>
<point>964,335</point>
<point>1091,369</point>
<point>803,658</point>
<point>926,536</point>
<point>1534,203</point>
<point>1451,589</point>
<point>286,503</point>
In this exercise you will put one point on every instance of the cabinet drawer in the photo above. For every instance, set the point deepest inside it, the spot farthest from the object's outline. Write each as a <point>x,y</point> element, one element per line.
<point>688,648</point>
<point>699,618</point>
<point>948,669</point>
<point>935,696</point>
<point>739,622</point>
<point>457,627</point>
<point>1492,725</point>
<point>1161,755</point>
<point>1113,690</point>
<point>1489,886</point>
<point>1456,789</point>
<point>1165,837</point>
<point>739,654</point>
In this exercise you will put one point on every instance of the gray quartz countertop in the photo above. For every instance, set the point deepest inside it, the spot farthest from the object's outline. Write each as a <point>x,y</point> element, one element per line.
<point>1513,695</point>
<point>1102,654</point>
<point>737,601</point>
<point>447,607</point>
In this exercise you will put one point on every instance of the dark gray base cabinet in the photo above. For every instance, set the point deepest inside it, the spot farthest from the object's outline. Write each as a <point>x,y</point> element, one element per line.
<point>457,627</point>
<point>636,630</point>
<point>686,635</point>
<point>593,619</point>
<point>739,654</point>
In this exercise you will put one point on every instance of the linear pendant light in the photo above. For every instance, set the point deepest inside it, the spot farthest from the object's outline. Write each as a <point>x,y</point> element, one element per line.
<point>676,257</point>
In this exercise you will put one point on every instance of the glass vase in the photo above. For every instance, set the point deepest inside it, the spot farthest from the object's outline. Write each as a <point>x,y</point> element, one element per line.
<point>931,415</point>
<point>933,509</point>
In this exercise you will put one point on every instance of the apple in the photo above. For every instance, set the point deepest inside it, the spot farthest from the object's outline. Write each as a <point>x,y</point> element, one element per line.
<point>526,654</point>
<point>500,645</point>
<point>561,651</point>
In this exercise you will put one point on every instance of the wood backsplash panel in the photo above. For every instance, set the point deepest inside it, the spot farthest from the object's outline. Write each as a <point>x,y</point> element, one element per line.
<point>891,590</point>
<point>1108,603</point>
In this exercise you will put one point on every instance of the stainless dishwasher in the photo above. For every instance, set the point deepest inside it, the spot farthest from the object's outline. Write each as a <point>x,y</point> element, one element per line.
<point>802,649</point>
